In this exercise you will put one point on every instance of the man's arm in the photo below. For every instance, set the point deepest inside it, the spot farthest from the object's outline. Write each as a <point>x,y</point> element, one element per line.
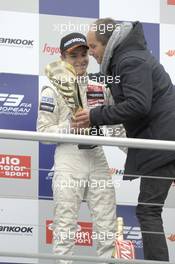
<point>136,83</point>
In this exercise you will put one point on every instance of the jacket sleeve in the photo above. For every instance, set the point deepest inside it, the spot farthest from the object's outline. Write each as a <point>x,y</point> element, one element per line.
<point>114,130</point>
<point>49,113</point>
<point>136,87</point>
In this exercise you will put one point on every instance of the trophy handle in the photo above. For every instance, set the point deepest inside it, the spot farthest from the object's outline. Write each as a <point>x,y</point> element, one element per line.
<point>77,97</point>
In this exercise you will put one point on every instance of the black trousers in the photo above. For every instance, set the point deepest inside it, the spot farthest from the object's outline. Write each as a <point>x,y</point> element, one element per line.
<point>154,192</point>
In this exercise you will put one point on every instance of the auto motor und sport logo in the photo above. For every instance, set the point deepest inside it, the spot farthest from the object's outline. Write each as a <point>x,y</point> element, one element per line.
<point>15,166</point>
<point>13,104</point>
<point>83,236</point>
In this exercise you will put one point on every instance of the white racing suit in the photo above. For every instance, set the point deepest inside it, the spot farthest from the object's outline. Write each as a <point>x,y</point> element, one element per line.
<point>78,173</point>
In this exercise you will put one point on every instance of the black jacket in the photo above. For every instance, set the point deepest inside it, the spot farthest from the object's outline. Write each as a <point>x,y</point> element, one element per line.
<point>144,102</point>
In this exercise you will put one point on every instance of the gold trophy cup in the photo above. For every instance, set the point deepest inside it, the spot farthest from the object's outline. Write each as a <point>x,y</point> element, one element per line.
<point>63,77</point>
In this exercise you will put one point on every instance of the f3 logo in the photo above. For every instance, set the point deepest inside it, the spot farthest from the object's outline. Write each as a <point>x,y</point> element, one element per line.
<point>11,99</point>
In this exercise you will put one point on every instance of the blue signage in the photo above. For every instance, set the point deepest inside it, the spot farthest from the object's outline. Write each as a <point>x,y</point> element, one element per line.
<point>131,228</point>
<point>18,101</point>
<point>76,8</point>
<point>152,37</point>
<point>46,163</point>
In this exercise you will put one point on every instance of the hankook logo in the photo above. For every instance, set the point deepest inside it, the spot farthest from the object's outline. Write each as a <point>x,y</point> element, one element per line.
<point>16,42</point>
<point>14,229</point>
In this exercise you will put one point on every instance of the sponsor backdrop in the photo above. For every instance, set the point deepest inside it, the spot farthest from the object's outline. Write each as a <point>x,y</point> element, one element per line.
<point>29,39</point>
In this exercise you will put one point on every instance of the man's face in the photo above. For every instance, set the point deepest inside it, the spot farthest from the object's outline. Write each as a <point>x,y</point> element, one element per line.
<point>96,48</point>
<point>78,58</point>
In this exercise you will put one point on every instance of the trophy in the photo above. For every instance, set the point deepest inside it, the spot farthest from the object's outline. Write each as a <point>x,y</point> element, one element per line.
<point>63,76</point>
<point>123,248</point>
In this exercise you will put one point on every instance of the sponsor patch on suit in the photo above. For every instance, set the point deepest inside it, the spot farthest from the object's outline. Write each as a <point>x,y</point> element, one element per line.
<point>47,107</point>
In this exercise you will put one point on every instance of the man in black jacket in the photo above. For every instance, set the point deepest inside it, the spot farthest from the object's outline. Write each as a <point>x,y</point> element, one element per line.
<point>145,104</point>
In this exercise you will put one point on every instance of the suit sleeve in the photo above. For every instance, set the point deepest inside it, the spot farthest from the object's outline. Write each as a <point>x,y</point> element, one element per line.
<point>49,113</point>
<point>136,85</point>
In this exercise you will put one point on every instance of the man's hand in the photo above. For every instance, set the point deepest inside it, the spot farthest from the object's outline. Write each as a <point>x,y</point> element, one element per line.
<point>82,118</point>
<point>80,123</point>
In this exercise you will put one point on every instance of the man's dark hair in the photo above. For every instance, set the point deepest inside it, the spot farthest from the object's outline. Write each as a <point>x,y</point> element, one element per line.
<point>104,29</point>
